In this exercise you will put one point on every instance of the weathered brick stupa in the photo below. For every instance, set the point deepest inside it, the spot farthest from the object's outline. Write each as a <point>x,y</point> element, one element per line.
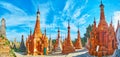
<point>5,49</point>
<point>22,45</point>
<point>3,28</point>
<point>37,43</point>
<point>102,40</point>
<point>50,45</point>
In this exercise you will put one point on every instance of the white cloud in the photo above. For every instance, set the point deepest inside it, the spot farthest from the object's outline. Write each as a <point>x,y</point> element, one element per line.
<point>16,35</point>
<point>12,8</point>
<point>17,17</point>
<point>65,24</point>
<point>72,25</point>
<point>68,4</point>
<point>78,11</point>
<point>116,17</point>
<point>75,16</point>
<point>74,28</point>
<point>82,20</point>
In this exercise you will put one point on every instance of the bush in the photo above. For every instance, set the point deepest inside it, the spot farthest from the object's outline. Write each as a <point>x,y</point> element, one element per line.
<point>2,36</point>
<point>7,43</point>
<point>12,53</point>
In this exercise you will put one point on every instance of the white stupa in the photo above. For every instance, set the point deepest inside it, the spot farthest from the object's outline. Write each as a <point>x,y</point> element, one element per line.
<point>118,35</point>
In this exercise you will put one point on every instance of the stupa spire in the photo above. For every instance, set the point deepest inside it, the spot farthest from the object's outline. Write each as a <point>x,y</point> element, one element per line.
<point>102,16</point>
<point>68,29</point>
<point>58,32</point>
<point>103,24</point>
<point>45,31</point>
<point>67,44</point>
<point>111,21</point>
<point>78,44</point>
<point>30,32</point>
<point>78,32</point>
<point>22,45</point>
<point>94,21</point>
<point>38,12</point>
<point>37,30</point>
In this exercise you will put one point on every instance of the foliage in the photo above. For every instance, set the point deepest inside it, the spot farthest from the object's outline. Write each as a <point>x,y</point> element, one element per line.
<point>7,43</point>
<point>12,53</point>
<point>53,41</point>
<point>16,49</point>
<point>87,34</point>
<point>73,41</point>
<point>2,36</point>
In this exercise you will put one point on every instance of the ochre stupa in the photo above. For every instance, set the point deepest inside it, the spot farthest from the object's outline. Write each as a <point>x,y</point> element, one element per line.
<point>102,39</point>
<point>78,43</point>
<point>67,44</point>
<point>37,43</point>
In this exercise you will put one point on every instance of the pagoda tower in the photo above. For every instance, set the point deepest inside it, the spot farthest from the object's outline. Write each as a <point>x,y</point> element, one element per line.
<point>112,39</point>
<point>78,44</point>
<point>92,41</point>
<point>22,45</point>
<point>102,40</point>
<point>37,43</point>
<point>68,45</point>
<point>58,44</point>
<point>50,44</point>
<point>29,44</point>
<point>3,28</point>
<point>14,43</point>
<point>102,29</point>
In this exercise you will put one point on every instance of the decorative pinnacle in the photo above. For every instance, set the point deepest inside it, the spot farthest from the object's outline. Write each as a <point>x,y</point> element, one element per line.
<point>68,23</point>
<point>94,20</point>
<point>45,31</point>
<point>101,4</point>
<point>22,37</point>
<point>58,29</point>
<point>30,31</point>
<point>111,20</point>
<point>38,12</point>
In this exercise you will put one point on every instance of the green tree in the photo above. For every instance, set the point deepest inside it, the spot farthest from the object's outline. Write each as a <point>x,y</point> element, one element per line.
<point>73,41</point>
<point>87,34</point>
<point>53,41</point>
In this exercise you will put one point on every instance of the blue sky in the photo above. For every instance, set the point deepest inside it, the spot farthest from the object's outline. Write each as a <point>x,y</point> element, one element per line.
<point>20,15</point>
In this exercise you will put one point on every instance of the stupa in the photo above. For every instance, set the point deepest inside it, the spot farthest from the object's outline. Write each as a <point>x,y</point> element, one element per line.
<point>58,44</point>
<point>67,44</point>
<point>78,43</point>
<point>102,40</point>
<point>37,43</point>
